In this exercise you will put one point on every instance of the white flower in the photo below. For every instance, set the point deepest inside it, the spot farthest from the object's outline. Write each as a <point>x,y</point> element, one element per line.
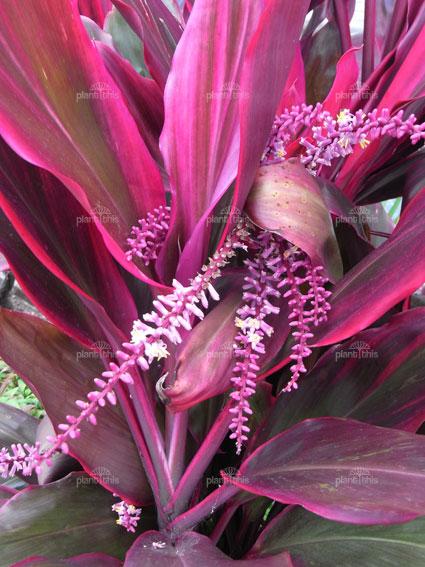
<point>138,335</point>
<point>344,117</point>
<point>250,323</point>
<point>157,349</point>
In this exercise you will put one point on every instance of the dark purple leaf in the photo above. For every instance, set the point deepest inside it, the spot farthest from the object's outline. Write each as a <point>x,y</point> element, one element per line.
<point>84,560</point>
<point>341,469</point>
<point>378,376</point>
<point>66,114</point>
<point>60,371</point>
<point>190,550</point>
<point>68,517</point>
<point>382,279</point>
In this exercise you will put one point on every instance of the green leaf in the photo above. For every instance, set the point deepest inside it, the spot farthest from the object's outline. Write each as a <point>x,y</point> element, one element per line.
<point>315,542</point>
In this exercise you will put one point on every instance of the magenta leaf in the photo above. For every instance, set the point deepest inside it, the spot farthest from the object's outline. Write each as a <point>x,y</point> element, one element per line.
<point>365,378</point>
<point>243,97</point>
<point>62,238</point>
<point>314,464</point>
<point>67,517</point>
<point>315,542</point>
<point>190,550</point>
<point>68,116</point>
<point>206,360</point>
<point>287,200</point>
<point>382,279</point>
<point>43,356</point>
<point>200,140</point>
<point>143,98</point>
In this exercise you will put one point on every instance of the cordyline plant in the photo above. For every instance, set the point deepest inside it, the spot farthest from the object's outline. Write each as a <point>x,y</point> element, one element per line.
<point>232,349</point>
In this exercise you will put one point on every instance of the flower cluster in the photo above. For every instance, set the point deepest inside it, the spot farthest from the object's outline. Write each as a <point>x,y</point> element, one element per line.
<point>277,264</point>
<point>128,515</point>
<point>308,308</point>
<point>332,138</point>
<point>149,237</point>
<point>259,288</point>
<point>171,312</point>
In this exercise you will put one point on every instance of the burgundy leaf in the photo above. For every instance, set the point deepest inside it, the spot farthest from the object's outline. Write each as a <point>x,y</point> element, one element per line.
<point>63,238</point>
<point>16,426</point>
<point>61,464</point>
<point>43,357</point>
<point>315,542</point>
<point>67,517</point>
<point>314,464</point>
<point>67,115</point>
<point>95,9</point>
<point>377,376</point>
<point>56,300</point>
<point>190,550</point>
<point>382,279</point>
<point>287,200</point>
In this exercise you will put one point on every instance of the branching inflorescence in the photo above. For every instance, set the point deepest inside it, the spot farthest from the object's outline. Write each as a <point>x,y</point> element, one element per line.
<point>260,286</point>
<point>171,312</point>
<point>329,138</point>
<point>276,265</point>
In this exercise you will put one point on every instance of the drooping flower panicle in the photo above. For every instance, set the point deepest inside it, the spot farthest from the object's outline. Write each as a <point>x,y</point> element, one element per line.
<point>276,265</point>
<point>311,307</point>
<point>259,288</point>
<point>171,312</point>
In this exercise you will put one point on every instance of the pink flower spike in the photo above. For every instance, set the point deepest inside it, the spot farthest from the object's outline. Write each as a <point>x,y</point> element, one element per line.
<point>148,238</point>
<point>259,285</point>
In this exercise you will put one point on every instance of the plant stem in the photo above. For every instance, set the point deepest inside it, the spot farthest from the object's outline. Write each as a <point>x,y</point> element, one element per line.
<point>200,462</point>
<point>134,426</point>
<point>176,425</point>
<point>224,519</point>
<point>153,437</point>
<point>151,433</point>
<point>188,520</point>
